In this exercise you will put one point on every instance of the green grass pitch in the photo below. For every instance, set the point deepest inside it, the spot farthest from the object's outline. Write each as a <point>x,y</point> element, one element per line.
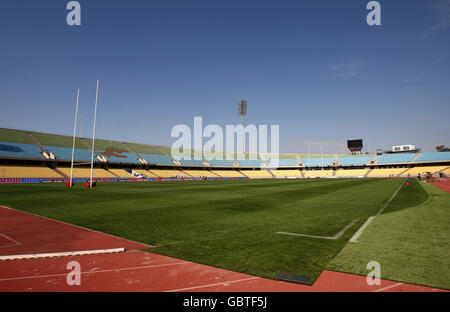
<point>227,224</point>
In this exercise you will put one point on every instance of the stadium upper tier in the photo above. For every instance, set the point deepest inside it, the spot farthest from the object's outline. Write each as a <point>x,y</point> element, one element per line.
<point>395,158</point>
<point>27,145</point>
<point>354,160</point>
<point>19,150</point>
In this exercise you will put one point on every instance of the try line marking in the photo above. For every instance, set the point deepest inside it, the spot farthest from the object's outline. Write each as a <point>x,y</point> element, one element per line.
<point>358,233</point>
<point>339,234</point>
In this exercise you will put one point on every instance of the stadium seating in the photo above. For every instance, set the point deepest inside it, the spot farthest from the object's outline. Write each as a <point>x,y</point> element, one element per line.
<point>386,172</point>
<point>250,162</point>
<point>257,173</point>
<point>283,163</point>
<point>286,173</point>
<point>228,173</point>
<point>395,158</point>
<point>27,172</point>
<point>351,173</point>
<point>79,172</point>
<point>425,169</point>
<point>433,156</point>
<point>201,173</point>
<point>66,153</point>
<point>146,173</point>
<point>121,173</point>
<point>318,173</point>
<point>220,163</point>
<point>191,162</point>
<point>121,157</point>
<point>19,150</point>
<point>354,160</point>
<point>157,159</point>
<point>169,173</point>
<point>317,161</point>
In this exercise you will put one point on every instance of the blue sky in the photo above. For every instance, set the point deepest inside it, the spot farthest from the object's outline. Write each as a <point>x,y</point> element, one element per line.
<point>313,67</point>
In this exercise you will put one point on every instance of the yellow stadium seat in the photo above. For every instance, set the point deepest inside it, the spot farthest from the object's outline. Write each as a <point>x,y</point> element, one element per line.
<point>257,173</point>
<point>121,173</point>
<point>86,172</point>
<point>228,173</point>
<point>201,173</point>
<point>28,172</point>
<point>318,173</point>
<point>169,173</point>
<point>286,173</point>
<point>386,172</point>
<point>351,173</point>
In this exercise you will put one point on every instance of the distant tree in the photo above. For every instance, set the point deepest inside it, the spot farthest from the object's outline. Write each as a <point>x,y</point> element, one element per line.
<point>442,148</point>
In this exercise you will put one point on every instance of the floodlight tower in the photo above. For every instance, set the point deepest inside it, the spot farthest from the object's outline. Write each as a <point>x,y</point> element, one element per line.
<point>242,111</point>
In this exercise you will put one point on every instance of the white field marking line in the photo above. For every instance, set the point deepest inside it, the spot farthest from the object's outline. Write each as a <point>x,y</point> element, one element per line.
<point>216,284</point>
<point>16,243</point>
<point>360,230</point>
<point>366,224</point>
<point>62,254</point>
<point>388,287</point>
<point>339,234</point>
<point>390,199</point>
<point>94,272</point>
<point>78,226</point>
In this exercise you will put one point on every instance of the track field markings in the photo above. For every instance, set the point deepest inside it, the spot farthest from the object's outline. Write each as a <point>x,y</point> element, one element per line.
<point>14,242</point>
<point>339,234</point>
<point>62,254</point>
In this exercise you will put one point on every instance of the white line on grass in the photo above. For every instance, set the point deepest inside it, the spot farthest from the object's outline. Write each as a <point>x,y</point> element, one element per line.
<point>339,234</point>
<point>358,233</point>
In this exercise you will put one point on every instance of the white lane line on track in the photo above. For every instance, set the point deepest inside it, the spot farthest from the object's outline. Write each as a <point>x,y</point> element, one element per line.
<point>388,287</point>
<point>62,254</point>
<point>94,272</point>
<point>16,243</point>
<point>216,284</point>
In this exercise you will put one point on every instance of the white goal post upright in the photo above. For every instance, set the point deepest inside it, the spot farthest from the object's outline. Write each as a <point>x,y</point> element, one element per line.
<point>93,135</point>
<point>74,134</point>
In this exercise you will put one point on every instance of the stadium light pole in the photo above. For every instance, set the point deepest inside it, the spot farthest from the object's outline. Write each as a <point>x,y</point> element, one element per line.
<point>74,134</point>
<point>242,110</point>
<point>93,134</point>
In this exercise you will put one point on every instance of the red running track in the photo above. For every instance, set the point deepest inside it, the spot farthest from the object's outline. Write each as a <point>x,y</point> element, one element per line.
<point>132,270</point>
<point>442,184</point>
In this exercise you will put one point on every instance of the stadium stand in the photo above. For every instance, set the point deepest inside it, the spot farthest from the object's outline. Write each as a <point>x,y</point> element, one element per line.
<point>20,150</point>
<point>169,173</point>
<point>395,158</point>
<point>257,173</point>
<point>27,172</point>
<point>157,159</point>
<point>386,172</point>
<point>191,162</point>
<point>283,163</point>
<point>433,156</point>
<point>201,173</point>
<point>317,161</point>
<point>145,173</point>
<point>351,173</point>
<point>425,169</point>
<point>354,160</point>
<point>286,173</point>
<point>250,162</point>
<point>119,156</point>
<point>317,173</point>
<point>86,172</point>
<point>228,173</point>
<point>220,163</point>
<point>121,173</point>
<point>66,153</point>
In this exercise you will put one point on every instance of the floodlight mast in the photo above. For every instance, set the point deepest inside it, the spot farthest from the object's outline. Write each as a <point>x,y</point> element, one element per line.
<point>242,110</point>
